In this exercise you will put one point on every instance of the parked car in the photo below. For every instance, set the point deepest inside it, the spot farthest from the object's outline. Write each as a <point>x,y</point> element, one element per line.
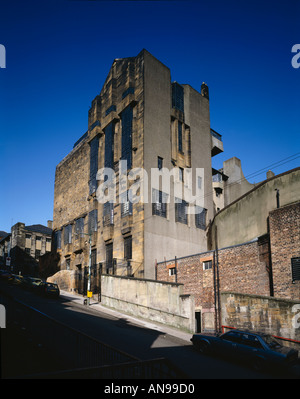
<point>17,279</point>
<point>49,289</point>
<point>5,275</point>
<point>32,283</point>
<point>257,349</point>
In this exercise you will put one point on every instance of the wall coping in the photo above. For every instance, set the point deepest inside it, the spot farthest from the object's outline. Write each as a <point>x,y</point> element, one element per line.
<point>272,298</point>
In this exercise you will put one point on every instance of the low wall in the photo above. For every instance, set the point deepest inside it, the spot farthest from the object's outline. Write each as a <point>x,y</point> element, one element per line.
<point>66,279</point>
<point>153,300</point>
<point>278,317</point>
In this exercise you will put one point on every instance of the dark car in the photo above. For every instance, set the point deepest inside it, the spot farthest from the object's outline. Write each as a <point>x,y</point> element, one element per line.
<point>5,275</point>
<point>259,349</point>
<point>49,289</point>
<point>17,279</point>
<point>32,283</point>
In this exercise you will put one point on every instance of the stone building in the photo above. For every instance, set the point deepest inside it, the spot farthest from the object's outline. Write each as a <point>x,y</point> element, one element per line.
<point>149,122</point>
<point>27,244</point>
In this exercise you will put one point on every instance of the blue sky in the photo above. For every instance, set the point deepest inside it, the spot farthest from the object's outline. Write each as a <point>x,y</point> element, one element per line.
<point>58,54</point>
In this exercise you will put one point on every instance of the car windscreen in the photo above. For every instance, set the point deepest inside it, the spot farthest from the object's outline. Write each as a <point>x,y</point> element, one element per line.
<point>271,341</point>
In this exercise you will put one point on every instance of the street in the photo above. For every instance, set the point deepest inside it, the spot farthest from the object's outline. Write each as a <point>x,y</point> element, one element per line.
<point>133,337</point>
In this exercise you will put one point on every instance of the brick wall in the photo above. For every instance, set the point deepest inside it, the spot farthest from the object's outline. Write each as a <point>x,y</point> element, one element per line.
<point>241,268</point>
<point>285,244</point>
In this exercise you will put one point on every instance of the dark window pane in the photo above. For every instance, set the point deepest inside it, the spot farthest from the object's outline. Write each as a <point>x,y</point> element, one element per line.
<point>295,269</point>
<point>68,234</point>
<point>181,211</point>
<point>177,96</point>
<point>108,214</point>
<point>179,136</point>
<point>127,136</point>
<point>93,164</point>
<point>128,248</point>
<point>109,146</point>
<point>93,221</point>
<point>200,217</point>
<point>159,203</point>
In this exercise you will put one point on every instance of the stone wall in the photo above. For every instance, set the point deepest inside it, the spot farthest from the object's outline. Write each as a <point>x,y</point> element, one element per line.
<point>278,317</point>
<point>153,300</point>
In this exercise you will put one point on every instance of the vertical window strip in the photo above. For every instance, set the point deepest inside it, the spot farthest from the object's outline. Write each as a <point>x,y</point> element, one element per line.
<point>109,146</point>
<point>94,145</point>
<point>127,136</point>
<point>180,136</point>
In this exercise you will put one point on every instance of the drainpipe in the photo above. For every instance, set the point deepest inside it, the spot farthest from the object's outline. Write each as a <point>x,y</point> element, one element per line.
<point>218,302</point>
<point>277,197</point>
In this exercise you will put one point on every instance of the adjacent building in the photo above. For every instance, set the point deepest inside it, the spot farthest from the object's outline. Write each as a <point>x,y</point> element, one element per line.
<point>155,127</point>
<point>253,249</point>
<point>21,249</point>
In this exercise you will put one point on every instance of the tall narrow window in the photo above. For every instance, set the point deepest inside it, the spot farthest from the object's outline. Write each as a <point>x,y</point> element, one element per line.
<point>181,211</point>
<point>127,136</point>
<point>179,136</point>
<point>200,217</point>
<point>126,205</point>
<point>79,227</point>
<point>57,239</point>
<point>68,234</point>
<point>159,163</point>
<point>177,96</point>
<point>108,214</point>
<point>109,146</point>
<point>93,221</point>
<point>128,248</point>
<point>159,203</point>
<point>109,257</point>
<point>93,165</point>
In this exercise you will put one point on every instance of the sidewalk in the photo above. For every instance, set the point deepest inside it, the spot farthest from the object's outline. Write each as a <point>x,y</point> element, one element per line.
<point>79,299</point>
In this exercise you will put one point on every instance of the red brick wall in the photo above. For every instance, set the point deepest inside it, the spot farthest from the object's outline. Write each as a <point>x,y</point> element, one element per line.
<point>241,269</point>
<point>284,224</point>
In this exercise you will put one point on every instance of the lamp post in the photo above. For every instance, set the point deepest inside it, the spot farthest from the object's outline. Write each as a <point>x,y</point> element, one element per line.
<point>89,292</point>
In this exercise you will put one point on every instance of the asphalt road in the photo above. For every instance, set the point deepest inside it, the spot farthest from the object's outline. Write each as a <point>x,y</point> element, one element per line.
<point>134,338</point>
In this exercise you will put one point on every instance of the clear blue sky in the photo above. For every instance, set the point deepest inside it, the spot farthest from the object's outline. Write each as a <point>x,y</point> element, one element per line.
<point>58,54</point>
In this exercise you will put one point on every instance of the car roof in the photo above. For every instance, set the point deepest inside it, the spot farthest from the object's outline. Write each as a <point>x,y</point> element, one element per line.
<point>261,334</point>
